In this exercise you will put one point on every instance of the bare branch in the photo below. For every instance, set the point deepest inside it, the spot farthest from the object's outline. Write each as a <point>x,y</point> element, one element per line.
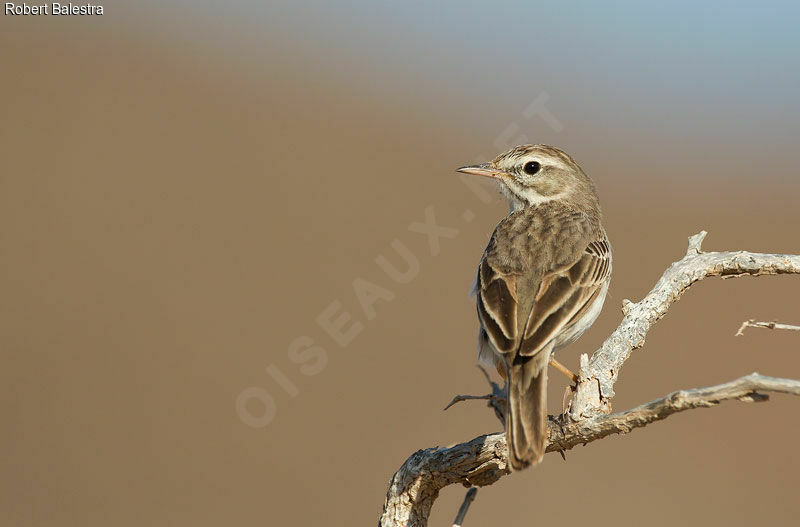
<point>598,374</point>
<point>496,399</point>
<point>460,398</point>
<point>462,511</point>
<point>766,325</point>
<point>482,461</point>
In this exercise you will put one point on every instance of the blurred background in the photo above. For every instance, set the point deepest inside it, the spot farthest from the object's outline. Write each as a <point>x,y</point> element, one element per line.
<point>192,193</point>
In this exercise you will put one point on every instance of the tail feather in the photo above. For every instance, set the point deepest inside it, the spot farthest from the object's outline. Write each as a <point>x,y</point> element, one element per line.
<point>526,419</point>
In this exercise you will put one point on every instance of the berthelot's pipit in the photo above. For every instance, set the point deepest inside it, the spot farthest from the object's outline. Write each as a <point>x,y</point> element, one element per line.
<point>541,281</point>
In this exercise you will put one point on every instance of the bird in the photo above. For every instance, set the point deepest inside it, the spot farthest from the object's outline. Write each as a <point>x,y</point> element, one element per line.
<point>541,282</point>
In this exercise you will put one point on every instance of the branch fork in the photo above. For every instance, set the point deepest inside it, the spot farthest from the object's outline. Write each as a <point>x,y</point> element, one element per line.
<point>483,460</point>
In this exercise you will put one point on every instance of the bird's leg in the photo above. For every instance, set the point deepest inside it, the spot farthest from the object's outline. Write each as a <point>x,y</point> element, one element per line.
<point>563,369</point>
<point>569,390</point>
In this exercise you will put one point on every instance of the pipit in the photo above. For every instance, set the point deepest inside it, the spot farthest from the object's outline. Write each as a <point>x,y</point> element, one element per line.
<point>541,281</point>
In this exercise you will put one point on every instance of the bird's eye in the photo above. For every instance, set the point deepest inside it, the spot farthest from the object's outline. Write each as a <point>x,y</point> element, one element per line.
<point>531,167</point>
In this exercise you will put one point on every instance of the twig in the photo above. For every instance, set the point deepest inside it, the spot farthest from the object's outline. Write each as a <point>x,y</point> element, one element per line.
<point>462,511</point>
<point>460,398</point>
<point>598,374</point>
<point>482,461</point>
<point>496,399</point>
<point>766,325</point>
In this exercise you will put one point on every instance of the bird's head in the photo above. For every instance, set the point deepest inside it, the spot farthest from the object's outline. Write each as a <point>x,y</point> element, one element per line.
<point>530,175</point>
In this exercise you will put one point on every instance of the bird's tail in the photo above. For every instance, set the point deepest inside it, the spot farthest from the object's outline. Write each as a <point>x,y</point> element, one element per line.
<point>526,417</point>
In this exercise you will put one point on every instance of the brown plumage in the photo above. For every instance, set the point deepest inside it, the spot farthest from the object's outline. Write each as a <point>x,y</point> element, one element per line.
<point>541,282</point>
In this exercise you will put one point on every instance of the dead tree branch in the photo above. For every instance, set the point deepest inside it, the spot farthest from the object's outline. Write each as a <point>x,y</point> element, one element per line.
<point>462,511</point>
<point>766,325</point>
<point>482,461</point>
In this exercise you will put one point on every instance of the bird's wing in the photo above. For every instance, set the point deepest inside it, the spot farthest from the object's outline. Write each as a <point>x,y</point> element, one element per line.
<point>561,299</point>
<point>565,295</point>
<point>498,305</point>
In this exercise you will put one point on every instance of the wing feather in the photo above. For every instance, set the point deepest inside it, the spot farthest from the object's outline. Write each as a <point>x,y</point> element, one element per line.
<point>564,295</point>
<point>576,289</point>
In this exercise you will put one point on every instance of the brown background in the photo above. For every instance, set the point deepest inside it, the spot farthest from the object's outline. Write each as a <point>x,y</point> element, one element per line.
<point>182,196</point>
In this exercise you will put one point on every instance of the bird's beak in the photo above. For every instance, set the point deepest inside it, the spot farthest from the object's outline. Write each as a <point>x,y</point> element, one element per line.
<point>484,169</point>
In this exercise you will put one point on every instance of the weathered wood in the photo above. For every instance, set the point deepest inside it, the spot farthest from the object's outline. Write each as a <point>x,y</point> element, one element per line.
<point>765,325</point>
<point>483,460</point>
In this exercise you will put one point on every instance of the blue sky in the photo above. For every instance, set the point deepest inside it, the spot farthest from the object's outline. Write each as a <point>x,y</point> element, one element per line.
<point>725,70</point>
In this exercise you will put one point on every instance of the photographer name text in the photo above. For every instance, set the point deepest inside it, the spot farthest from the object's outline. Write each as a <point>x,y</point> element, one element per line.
<point>52,9</point>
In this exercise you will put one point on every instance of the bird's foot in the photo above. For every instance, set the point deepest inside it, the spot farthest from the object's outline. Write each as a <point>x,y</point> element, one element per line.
<point>563,369</point>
